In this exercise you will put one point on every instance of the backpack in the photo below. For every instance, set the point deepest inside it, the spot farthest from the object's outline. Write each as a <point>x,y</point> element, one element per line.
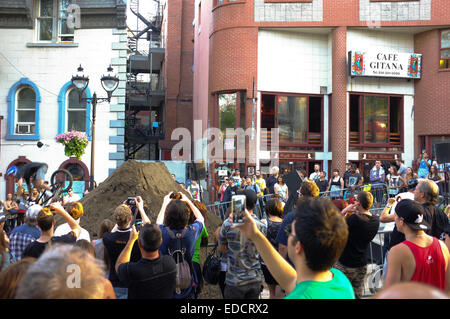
<point>437,220</point>
<point>211,268</point>
<point>183,261</point>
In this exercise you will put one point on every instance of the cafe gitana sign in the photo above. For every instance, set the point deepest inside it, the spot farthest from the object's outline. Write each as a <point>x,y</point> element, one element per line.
<point>385,64</point>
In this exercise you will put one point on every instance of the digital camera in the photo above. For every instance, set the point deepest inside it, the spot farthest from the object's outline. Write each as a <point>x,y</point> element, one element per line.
<point>131,201</point>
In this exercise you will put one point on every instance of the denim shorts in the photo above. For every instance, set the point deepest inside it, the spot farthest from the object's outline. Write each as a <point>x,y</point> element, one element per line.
<point>40,173</point>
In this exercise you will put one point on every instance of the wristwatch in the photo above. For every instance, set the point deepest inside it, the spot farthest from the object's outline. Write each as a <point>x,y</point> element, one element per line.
<point>388,206</point>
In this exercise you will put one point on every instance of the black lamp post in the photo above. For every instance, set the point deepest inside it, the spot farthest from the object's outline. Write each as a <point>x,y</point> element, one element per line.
<point>109,84</point>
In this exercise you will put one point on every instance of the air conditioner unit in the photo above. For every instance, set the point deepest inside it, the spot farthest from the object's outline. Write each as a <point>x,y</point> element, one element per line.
<point>24,128</point>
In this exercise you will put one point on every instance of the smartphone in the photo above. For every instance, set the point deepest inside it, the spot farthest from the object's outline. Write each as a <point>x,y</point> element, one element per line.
<point>238,208</point>
<point>138,224</point>
<point>131,202</point>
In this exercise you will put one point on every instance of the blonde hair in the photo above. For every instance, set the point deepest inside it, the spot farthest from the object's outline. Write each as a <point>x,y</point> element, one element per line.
<point>75,209</point>
<point>122,215</point>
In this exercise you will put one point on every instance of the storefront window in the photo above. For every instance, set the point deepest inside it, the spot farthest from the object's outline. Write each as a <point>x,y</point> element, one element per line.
<point>227,111</point>
<point>292,119</point>
<point>376,120</point>
<point>445,49</point>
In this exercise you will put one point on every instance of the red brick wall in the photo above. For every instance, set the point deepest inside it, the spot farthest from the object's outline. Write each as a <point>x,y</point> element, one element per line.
<point>432,97</point>
<point>178,68</point>
<point>339,99</point>
<point>233,59</point>
<point>233,55</point>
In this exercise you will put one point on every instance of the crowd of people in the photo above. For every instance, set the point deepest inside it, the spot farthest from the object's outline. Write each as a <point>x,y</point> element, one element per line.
<point>392,176</point>
<point>304,246</point>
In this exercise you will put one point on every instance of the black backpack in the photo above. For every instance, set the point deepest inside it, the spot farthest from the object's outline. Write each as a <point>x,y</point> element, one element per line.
<point>437,220</point>
<point>211,268</point>
<point>183,260</point>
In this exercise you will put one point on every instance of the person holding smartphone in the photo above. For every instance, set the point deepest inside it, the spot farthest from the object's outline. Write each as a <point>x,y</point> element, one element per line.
<point>424,165</point>
<point>244,275</point>
<point>115,241</point>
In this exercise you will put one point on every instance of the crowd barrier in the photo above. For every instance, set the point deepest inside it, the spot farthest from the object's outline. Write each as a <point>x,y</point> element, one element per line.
<point>380,194</point>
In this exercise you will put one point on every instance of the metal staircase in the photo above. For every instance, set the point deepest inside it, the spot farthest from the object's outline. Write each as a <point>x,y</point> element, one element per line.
<point>144,99</point>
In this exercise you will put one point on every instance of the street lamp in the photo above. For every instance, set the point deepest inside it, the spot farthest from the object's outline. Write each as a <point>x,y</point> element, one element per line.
<point>109,83</point>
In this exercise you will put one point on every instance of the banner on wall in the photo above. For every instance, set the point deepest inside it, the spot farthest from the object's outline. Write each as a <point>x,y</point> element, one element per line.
<point>385,64</point>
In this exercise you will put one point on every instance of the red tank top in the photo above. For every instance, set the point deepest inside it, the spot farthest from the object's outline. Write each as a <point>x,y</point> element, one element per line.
<point>430,264</point>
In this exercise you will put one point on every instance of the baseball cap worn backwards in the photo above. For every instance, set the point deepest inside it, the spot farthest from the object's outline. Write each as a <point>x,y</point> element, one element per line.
<point>411,213</point>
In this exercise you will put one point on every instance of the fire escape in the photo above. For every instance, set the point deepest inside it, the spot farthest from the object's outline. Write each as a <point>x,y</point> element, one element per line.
<point>145,92</point>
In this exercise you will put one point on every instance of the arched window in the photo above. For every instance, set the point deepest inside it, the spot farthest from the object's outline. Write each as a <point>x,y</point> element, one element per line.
<point>80,174</point>
<point>23,111</point>
<point>76,170</point>
<point>73,113</point>
<point>76,111</point>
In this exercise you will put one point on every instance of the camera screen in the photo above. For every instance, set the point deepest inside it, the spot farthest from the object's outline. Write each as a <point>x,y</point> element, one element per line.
<point>238,210</point>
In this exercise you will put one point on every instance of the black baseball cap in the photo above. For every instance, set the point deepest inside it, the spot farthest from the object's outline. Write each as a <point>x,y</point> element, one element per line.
<point>412,214</point>
<point>447,229</point>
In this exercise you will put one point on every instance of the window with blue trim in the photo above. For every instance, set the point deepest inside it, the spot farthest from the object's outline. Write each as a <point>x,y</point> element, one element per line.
<point>23,111</point>
<point>74,114</point>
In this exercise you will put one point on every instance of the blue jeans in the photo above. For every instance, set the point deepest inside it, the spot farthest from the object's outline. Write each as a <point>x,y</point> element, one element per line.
<point>40,173</point>
<point>385,266</point>
<point>121,293</point>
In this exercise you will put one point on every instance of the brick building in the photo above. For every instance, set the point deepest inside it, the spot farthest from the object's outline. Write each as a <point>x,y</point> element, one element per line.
<point>353,80</point>
<point>177,35</point>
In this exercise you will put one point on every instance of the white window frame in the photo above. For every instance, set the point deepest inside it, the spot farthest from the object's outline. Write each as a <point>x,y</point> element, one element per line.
<point>68,110</point>
<point>16,118</point>
<point>56,24</point>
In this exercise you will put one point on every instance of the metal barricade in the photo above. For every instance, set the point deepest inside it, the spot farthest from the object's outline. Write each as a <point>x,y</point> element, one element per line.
<point>380,193</point>
<point>220,208</point>
<point>373,281</point>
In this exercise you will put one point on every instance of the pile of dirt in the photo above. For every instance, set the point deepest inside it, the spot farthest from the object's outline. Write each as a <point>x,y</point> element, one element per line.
<point>151,181</point>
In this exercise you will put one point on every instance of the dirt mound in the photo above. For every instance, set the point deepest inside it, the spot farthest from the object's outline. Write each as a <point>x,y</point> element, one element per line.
<point>151,181</point>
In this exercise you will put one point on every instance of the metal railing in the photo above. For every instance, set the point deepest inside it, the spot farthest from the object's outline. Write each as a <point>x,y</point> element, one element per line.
<point>380,194</point>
